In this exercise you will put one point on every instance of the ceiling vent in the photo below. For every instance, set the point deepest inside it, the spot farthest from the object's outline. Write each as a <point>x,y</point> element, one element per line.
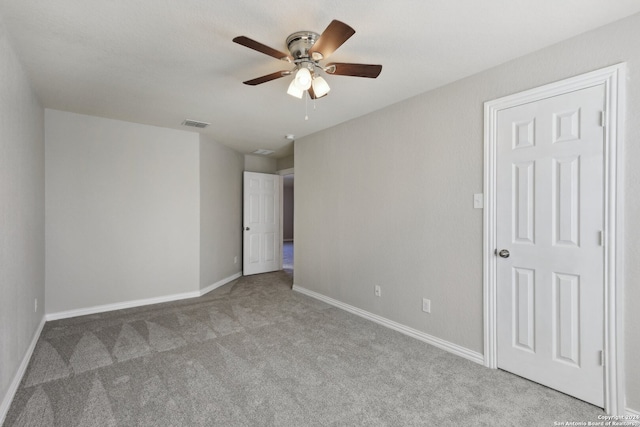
<point>263,152</point>
<point>195,124</point>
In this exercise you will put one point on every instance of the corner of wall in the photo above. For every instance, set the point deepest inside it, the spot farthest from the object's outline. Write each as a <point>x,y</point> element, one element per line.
<point>22,220</point>
<point>285,162</point>
<point>220,213</point>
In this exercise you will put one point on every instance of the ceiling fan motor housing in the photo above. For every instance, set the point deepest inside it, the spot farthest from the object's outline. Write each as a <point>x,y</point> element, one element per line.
<point>300,42</point>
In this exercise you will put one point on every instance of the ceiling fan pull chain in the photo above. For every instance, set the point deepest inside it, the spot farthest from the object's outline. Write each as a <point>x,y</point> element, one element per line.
<point>306,108</point>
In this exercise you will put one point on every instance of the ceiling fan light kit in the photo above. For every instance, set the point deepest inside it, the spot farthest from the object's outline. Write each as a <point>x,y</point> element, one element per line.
<point>295,90</point>
<point>320,86</point>
<point>303,78</point>
<point>306,50</point>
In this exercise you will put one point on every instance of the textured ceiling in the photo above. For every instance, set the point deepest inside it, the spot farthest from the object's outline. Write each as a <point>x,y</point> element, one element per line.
<point>159,62</point>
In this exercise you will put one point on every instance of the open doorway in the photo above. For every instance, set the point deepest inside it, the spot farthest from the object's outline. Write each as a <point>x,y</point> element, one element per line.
<point>287,223</point>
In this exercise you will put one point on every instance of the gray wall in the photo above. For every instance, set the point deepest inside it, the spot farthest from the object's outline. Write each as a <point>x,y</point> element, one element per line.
<point>21,214</point>
<point>259,164</point>
<point>122,211</point>
<point>285,163</point>
<point>396,209</point>
<point>220,211</point>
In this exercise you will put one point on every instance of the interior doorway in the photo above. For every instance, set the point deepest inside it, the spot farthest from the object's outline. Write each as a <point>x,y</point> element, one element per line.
<point>550,216</point>
<point>607,238</point>
<point>287,222</point>
<point>262,248</point>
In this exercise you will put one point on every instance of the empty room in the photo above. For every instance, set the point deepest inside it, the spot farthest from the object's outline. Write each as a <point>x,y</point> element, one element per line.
<point>269,213</point>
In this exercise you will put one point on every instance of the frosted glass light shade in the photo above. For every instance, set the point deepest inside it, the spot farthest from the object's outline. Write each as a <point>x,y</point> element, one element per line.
<point>320,87</point>
<point>303,78</point>
<point>294,90</point>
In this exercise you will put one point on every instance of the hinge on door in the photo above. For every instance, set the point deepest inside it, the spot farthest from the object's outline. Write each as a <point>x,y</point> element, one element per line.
<point>600,238</point>
<point>601,357</point>
<point>603,118</point>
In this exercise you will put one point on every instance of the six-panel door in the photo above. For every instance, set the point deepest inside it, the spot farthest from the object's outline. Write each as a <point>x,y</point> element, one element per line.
<point>261,251</point>
<point>550,219</point>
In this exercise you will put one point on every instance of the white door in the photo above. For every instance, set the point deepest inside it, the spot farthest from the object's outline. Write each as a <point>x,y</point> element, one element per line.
<point>550,203</point>
<point>261,242</point>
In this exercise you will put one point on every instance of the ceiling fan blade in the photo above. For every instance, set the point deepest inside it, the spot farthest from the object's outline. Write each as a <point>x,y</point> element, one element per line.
<point>356,70</point>
<point>267,78</point>
<point>332,38</point>
<point>312,94</point>
<point>252,44</point>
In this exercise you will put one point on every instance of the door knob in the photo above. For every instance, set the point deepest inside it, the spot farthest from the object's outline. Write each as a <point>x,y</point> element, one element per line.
<point>247,228</point>
<point>504,253</point>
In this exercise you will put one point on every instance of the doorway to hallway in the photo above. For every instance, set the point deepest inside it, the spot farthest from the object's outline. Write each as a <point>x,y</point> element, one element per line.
<point>287,223</point>
<point>287,256</point>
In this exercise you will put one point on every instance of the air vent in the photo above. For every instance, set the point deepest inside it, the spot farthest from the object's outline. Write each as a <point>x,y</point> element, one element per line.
<point>195,124</point>
<point>263,152</point>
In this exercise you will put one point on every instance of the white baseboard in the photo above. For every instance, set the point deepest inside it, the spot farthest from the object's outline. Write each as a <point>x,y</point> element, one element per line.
<point>220,283</point>
<point>139,302</point>
<point>119,306</point>
<point>633,417</point>
<point>429,339</point>
<point>8,398</point>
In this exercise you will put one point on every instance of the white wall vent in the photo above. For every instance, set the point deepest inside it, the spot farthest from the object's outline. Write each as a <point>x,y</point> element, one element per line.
<point>195,123</point>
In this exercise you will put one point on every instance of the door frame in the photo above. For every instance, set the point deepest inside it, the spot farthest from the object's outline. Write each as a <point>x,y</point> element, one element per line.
<point>613,78</point>
<point>244,219</point>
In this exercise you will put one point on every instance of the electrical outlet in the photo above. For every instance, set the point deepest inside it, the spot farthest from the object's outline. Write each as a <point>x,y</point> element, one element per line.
<point>426,305</point>
<point>235,259</point>
<point>377,290</point>
<point>35,308</point>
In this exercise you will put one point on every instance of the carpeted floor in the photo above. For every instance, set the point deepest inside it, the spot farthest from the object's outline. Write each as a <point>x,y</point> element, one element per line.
<point>255,353</point>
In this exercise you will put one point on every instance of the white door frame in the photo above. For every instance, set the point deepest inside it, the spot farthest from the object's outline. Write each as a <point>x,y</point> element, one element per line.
<point>614,79</point>
<point>246,223</point>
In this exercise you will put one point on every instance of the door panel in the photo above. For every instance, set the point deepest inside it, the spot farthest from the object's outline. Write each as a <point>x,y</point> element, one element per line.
<point>523,197</point>
<point>261,223</point>
<point>270,249</point>
<point>524,308</point>
<point>566,178</point>
<point>550,211</point>
<point>566,318</point>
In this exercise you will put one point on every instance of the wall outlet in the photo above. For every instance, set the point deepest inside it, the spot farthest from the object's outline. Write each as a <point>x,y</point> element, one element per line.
<point>377,290</point>
<point>35,308</point>
<point>426,305</point>
<point>235,259</point>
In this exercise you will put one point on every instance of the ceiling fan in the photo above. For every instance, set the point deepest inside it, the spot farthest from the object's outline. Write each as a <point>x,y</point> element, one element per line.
<point>307,49</point>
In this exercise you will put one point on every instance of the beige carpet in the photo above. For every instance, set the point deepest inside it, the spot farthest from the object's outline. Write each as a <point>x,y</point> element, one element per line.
<point>255,353</point>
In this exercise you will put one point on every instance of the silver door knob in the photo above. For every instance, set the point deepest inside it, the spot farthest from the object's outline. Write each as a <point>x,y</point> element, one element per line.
<point>247,228</point>
<point>504,253</point>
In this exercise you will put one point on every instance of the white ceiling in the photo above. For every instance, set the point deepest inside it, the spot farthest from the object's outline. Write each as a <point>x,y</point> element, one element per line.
<point>159,62</point>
